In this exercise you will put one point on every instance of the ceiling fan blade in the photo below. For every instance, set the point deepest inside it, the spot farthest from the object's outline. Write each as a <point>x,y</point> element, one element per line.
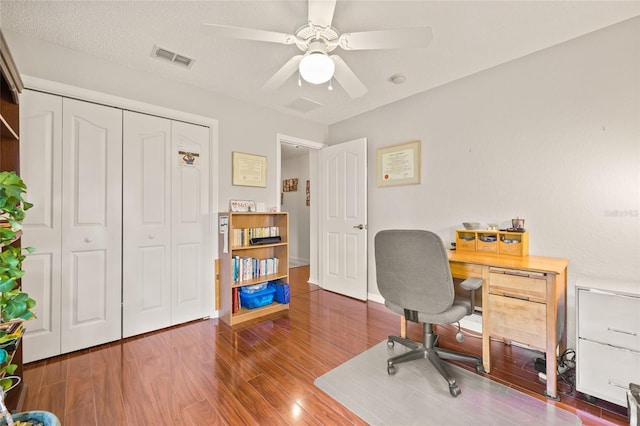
<point>347,78</point>
<point>321,12</point>
<point>387,39</point>
<point>282,74</point>
<point>225,31</point>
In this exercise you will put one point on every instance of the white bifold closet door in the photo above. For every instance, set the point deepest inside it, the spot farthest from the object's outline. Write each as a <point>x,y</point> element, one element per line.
<point>40,168</point>
<point>165,217</point>
<point>91,224</point>
<point>191,261</point>
<point>146,224</point>
<point>76,223</point>
<point>120,223</point>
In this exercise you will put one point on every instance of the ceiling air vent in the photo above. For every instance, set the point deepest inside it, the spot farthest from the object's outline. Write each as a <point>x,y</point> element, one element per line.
<point>303,105</point>
<point>170,56</point>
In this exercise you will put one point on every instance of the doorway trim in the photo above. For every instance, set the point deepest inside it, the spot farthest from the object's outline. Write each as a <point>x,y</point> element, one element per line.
<point>314,161</point>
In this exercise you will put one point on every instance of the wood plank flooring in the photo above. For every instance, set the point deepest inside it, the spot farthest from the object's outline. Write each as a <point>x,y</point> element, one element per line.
<point>206,373</point>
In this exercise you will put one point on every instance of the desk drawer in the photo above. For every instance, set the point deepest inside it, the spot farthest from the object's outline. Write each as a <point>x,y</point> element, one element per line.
<point>611,319</point>
<point>466,245</point>
<point>518,320</point>
<point>518,284</point>
<point>487,246</point>
<point>605,372</point>
<point>514,249</point>
<point>465,270</point>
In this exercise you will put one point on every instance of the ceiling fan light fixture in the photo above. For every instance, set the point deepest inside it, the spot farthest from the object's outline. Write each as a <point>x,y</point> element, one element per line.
<point>317,68</point>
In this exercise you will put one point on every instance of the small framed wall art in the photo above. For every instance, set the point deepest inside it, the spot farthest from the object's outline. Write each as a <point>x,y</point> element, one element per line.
<point>290,185</point>
<point>398,164</point>
<point>249,170</point>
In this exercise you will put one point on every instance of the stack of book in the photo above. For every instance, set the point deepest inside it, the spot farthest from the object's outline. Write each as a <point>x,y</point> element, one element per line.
<point>249,268</point>
<point>242,236</point>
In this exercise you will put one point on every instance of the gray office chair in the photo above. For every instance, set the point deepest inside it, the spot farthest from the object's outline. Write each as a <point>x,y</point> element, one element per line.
<point>415,280</point>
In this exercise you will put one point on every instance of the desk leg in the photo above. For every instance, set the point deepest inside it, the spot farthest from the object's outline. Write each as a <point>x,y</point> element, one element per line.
<point>486,321</point>
<point>552,340</point>
<point>552,378</point>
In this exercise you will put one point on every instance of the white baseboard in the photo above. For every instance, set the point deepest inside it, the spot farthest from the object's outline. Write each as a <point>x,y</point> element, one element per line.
<point>375,298</point>
<point>297,261</point>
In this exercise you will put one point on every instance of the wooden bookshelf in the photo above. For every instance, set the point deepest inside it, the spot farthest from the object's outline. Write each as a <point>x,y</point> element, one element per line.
<point>227,250</point>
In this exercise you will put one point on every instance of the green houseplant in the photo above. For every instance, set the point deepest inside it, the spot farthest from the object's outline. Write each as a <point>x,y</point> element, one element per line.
<point>15,305</point>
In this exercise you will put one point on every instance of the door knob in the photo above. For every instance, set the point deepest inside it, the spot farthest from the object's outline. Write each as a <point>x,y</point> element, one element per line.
<point>361,226</point>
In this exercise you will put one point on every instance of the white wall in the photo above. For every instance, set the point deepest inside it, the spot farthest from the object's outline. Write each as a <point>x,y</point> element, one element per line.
<point>299,212</point>
<point>242,127</point>
<point>553,137</point>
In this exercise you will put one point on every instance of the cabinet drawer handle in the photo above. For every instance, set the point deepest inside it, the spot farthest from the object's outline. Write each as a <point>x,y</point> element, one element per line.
<point>630,333</point>
<point>517,296</point>
<point>87,240</point>
<point>618,385</point>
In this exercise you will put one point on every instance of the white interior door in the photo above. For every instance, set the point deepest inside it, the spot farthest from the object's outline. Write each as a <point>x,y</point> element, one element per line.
<point>344,218</point>
<point>41,169</point>
<point>146,246</point>
<point>91,224</point>
<point>191,262</point>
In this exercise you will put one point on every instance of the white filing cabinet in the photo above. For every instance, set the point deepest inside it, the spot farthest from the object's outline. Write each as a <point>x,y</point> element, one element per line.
<point>608,338</point>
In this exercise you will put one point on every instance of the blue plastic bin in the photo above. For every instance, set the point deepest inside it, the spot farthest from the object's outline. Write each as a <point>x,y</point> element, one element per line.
<point>258,298</point>
<point>283,293</point>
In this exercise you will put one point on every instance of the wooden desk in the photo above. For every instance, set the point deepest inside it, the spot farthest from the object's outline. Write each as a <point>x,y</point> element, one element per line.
<point>524,300</point>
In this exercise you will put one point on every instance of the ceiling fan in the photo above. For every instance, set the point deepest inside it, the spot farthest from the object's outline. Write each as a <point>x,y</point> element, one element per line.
<point>317,39</point>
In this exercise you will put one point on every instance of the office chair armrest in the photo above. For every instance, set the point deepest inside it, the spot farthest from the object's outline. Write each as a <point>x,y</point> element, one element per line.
<point>471,283</point>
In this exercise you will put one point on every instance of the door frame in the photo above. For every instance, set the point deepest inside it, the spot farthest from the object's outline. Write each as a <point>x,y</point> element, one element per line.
<point>314,176</point>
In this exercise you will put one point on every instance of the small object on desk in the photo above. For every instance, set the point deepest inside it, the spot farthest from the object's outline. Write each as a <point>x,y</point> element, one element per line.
<point>517,223</point>
<point>471,225</point>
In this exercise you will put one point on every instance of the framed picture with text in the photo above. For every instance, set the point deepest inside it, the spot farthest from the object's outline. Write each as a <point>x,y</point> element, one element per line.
<point>398,164</point>
<point>249,170</point>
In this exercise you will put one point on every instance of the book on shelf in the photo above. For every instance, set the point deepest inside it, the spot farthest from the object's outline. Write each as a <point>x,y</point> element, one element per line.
<point>248,268</point>
<point>234,301</point>
<point>243,236</point>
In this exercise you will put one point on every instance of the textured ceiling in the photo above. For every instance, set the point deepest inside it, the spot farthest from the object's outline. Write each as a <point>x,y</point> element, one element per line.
<point>469,36</point>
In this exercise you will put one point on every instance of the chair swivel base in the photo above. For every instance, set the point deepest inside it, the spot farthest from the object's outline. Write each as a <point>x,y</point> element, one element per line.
<point>435,355</point>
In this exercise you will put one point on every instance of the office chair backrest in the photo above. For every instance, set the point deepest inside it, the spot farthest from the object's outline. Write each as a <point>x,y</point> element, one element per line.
<point>412,270</point>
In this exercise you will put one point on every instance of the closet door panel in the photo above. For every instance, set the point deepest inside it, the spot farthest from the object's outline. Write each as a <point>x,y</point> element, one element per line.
<point>191,264</point>
<point>91,225</point>
<point>40,168</point>
<point>146,223</point>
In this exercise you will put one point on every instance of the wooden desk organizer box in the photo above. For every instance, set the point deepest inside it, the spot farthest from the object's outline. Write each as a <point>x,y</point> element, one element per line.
<point>512,243</point>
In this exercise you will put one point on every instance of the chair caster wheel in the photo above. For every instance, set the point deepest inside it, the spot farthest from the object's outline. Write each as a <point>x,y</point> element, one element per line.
<point>390,343</point>
<point>480,368</point>
<point>454,390</point>
<point>391,369</point>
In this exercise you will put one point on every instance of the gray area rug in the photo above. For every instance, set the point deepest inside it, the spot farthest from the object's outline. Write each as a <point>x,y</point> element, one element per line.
<point>418,395</point>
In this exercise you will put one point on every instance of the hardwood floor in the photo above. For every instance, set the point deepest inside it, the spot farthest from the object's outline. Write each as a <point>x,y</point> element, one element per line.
<point>206,373</point>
